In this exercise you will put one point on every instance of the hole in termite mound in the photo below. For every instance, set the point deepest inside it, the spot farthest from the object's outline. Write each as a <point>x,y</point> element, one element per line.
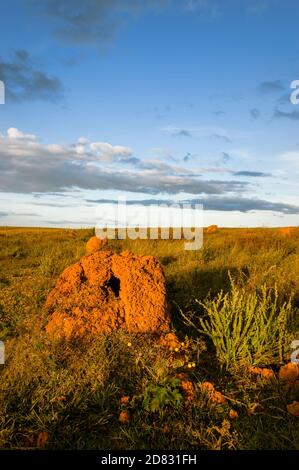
<point>114,285</point>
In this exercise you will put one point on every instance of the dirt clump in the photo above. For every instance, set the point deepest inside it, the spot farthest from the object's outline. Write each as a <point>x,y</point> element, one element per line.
<point>186,386</point>
<point>170,340</point>
<point>42,439</point>
<point>287,232</point>
<point>293,408</point>
<point>124,400</point>
<point>214,396</point>
<point>105,291</point>
<point>233,414</point>
<point>124,417</point>
<point>262,372</point>
<point>289,373</point>
<point>211,229</point>
<point>95,244</point>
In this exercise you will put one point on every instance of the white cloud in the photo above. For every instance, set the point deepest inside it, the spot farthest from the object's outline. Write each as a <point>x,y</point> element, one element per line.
<point>27,165</point>
<point>80,149</point>
<point>107,152</point>
<point>56,149</point>
<point>14,134</point>
<point>18,143</point>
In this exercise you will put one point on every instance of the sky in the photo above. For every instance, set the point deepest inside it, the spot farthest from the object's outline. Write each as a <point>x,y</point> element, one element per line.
<point>149,100</point>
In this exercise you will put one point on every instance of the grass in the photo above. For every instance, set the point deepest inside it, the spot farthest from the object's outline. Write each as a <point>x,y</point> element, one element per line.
<point>72,391</point>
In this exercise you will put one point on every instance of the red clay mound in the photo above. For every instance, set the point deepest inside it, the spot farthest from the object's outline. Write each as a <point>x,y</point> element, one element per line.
<point>105,291</point>
<point>287,232</point>
<point>211,229</point>
<point>95,244</point>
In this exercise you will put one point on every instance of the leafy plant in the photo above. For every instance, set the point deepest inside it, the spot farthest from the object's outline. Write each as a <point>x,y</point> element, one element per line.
<point>246,327</point>
<point>158,396</point>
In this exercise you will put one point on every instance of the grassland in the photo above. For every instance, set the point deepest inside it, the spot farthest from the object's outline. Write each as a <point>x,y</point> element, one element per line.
<point>71,392</point>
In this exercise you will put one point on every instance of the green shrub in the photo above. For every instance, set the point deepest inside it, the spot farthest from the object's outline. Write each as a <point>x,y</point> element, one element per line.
<point>246,327</point>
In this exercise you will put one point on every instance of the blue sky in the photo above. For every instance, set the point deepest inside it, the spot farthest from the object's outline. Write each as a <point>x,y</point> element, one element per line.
<point>152,100</point>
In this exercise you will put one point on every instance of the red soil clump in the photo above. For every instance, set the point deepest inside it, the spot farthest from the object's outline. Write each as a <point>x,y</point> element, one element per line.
<point>287,232</point>
<point>105,291</point>
<point>262,372</point>
<point>214,396</point>
<point>211,229</point>
<point>233,414</point>
<point>293,409</point>
<point>124,400</point>
<point>289,373</point>
<point>186,386</point>
<point>170,340</point>
<point>124,417</point>
<point>42,439</point>
<point>95,244</point>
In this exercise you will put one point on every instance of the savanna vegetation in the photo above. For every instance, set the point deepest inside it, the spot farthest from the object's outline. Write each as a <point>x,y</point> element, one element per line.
<point>234,308</point>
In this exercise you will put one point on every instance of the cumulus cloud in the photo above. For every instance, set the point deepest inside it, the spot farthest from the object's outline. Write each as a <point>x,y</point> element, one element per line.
<point>25,81</point>
<point>110,153</point>
<point>30,166</point>
<point>101,151</point>
<point>14,133</point>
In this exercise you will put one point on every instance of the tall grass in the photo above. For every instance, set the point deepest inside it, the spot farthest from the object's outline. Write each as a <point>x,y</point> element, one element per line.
<point>53,261</point>
<point>246,328</point>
